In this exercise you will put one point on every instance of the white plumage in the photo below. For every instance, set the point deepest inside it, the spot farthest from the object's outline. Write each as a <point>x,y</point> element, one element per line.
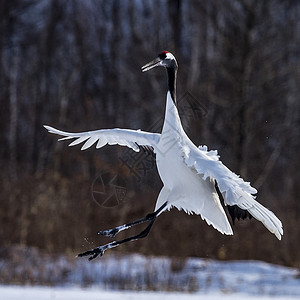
<point>188,172</point>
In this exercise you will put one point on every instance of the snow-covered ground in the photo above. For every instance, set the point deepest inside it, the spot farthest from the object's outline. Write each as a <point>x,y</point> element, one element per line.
<point>49,293</point>
<point>135,276</point>
<point>137,272</point>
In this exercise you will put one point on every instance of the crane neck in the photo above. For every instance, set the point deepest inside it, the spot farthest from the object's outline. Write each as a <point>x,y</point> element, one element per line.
<point>172,76</point>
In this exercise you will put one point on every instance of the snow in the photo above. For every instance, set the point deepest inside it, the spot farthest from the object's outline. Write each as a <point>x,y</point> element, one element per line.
<point>48,293</point>
<point>137,272</point>
<point>135,276</point>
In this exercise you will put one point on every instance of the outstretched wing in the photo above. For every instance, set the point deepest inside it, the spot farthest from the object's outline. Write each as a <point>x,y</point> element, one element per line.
<point>235,191</point>
<point>123,137</point>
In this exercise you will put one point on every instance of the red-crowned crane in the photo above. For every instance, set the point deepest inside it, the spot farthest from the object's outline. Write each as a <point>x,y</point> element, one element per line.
<point>194,179</point>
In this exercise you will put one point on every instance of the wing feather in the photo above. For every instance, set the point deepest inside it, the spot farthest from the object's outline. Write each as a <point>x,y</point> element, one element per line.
<point>101,143</point>
<point>91,141</point>
<point>233,188</point>
<point>116,136</point>
<point>77,141</point>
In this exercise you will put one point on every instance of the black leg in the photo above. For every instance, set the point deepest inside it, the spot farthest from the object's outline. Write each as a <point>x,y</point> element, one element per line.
<point>112,232</point>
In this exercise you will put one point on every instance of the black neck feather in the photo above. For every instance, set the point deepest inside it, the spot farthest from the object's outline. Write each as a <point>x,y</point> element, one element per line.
<point>172,76</point>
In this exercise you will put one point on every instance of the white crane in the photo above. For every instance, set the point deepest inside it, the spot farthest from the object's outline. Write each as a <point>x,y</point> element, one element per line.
<point>194,179</point>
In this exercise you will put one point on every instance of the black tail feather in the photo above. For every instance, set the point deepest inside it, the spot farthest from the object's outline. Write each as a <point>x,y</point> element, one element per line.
<point>238,213</point>
<point>234,211</point>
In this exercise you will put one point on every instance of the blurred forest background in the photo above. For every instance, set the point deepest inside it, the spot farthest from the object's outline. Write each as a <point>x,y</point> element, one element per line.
<point>75,65</point>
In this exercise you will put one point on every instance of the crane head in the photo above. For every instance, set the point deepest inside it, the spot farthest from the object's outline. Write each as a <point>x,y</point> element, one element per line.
<point>164,59</point>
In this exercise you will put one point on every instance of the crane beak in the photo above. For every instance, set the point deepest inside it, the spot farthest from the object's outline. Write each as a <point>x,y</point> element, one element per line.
<point>154,63</point>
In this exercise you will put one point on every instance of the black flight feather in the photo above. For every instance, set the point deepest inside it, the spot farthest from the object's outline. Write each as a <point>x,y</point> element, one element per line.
<point>234,211</point>
<point>148,149</point>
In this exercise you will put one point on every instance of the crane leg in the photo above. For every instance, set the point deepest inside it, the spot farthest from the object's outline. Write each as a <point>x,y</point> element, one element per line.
<point>93,253</point>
